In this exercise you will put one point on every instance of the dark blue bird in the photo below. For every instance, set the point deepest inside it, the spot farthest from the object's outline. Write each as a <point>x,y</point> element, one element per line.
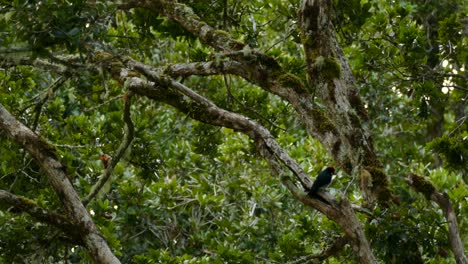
<point>322,181</point>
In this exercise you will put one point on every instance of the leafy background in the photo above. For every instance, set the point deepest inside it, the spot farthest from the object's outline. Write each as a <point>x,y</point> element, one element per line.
<point>189,192</point>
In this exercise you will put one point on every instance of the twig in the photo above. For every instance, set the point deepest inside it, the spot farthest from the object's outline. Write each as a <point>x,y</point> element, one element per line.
<point>104,103</point>
<point>38,109</point>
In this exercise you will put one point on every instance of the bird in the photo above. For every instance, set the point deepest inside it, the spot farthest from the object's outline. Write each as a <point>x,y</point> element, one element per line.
<point>322,181</point>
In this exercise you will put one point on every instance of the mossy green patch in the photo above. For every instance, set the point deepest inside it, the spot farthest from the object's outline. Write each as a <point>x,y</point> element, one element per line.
<point>380,185</point>
<point>290,80</point>
<point>221,34</point>
<point>185,11</point>
<point>308,41</point>
<point>379,178</point>
<point>423,186</point>
<point>329,68</point>
<point>103,56</point>
<point>323,122</point>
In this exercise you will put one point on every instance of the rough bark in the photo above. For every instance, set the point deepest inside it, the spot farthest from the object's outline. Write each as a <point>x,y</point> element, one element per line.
<point>430,192</point>
<point>333,83</point>
<point>47,158</point>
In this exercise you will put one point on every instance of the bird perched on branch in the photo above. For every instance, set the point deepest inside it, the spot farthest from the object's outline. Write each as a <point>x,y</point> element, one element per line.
<point>322,181</point>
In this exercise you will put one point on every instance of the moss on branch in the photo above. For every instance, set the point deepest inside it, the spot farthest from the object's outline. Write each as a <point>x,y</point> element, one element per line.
<point>329,68</point>
<point>290,80</point>
<point>380,185</point>
<point>422,185</point>
<point>322,122</point>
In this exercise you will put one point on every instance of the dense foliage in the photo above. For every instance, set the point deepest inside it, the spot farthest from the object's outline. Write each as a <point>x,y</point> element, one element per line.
<point>190,192</point>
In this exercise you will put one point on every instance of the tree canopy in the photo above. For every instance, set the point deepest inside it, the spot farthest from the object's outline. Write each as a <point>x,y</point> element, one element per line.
<point>190,131</point>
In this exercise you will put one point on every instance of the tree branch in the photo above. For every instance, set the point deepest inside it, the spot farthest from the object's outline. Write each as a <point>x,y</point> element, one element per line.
<point>47,158</point>
<point>342,213</point>
<point>430,192</point>
<point>126,142</point>
<point>185,16</point>
<point>22,204</point>
<point>199,108</point>
<point>206,68</point>
<point>60,65</point>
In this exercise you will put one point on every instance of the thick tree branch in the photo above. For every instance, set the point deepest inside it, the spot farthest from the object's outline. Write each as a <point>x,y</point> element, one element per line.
<point>47,158</point>
<point>430,192</point>
<point>342,213</point>
<point>176,94</point>
<point>185,16</point>
<point>260,69</point>
<point>62,65</point>
<point>206,68</point>
<point>200,108</point>
<point>22,204</point>
<point>341,127</point>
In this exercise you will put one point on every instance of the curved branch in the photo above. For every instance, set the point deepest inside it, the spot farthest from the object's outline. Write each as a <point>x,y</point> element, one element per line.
<point>47,158</point>
<point>201,109</point>
<point>62,65</point>
<point>126,141</point>
<point>185,16</point>
<point>206,111</point>
<point>256,67</point>
<point>342,213</point>
<point>430,192</point>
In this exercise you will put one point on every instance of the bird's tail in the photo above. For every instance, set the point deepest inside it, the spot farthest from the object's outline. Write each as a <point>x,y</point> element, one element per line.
<point>313,190</point>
